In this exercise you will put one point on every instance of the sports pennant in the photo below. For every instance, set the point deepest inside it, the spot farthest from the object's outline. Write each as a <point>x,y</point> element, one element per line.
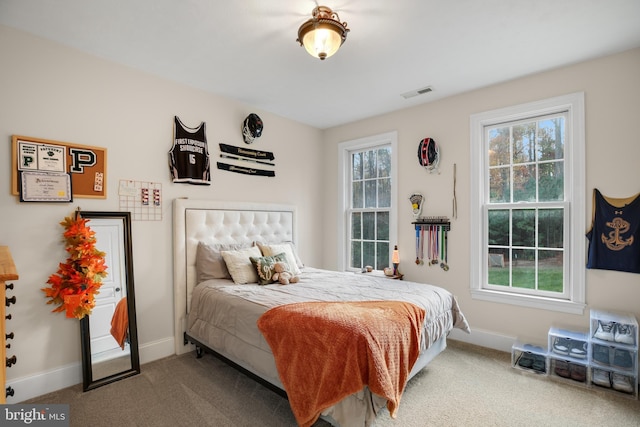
<point>246,152</point>
<point>245,170</point>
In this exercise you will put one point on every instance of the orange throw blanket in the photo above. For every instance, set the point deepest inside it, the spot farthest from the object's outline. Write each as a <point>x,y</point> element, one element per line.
<point>120,323</point>
<point>326,351</point>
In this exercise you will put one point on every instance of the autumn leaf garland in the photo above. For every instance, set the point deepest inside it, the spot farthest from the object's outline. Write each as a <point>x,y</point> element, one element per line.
<point>75,284</point>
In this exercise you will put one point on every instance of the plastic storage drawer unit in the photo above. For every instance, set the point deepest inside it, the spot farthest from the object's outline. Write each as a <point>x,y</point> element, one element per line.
<point>529,357</point>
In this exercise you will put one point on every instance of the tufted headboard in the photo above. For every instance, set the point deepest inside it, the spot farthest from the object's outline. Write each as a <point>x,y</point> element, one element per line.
<point>218,222</point>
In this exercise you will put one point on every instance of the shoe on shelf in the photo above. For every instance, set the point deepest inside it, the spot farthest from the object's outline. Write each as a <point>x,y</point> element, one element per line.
<point>578,372</point>
<point>539,363</point>
<point>605,331</point>
<point>526,360</point>
<point>621,382</point>
<point>562,369</point>
<point>601,354</point>
<point>578,350</point>
<point>561,346</point>
<point>601,378</point>
<point>622,359</point>
<point>625,334</point>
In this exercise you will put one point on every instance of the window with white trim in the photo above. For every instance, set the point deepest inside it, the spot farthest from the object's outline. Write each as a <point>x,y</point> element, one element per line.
<point>368,194</point>
<point>527,204</point>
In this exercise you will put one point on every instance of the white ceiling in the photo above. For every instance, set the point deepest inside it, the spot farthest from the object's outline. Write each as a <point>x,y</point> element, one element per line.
<point>247,49</point>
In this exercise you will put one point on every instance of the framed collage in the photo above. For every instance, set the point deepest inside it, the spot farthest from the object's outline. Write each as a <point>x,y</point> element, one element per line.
<point>54,171</point>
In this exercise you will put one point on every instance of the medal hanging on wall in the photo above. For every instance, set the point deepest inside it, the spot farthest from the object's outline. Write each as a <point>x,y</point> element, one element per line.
<point>435,237</point>
<point>443,249</point>
<point>419,245</point>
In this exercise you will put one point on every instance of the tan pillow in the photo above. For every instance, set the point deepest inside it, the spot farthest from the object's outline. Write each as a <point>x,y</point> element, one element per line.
<point>239,264</point>
<point>286,248</point>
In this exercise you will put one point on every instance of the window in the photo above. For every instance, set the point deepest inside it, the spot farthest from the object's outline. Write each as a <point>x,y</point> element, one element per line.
<point>527,200</point>
<point>368,186</point>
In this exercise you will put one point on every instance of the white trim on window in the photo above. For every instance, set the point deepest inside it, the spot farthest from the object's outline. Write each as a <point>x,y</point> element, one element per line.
<point>574,195</point>
<point>344,164</point>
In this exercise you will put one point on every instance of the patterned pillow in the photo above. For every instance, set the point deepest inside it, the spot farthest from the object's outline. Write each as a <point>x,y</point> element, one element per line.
<point>265,266</point>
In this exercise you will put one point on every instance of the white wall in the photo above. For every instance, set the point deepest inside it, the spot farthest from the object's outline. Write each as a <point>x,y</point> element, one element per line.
<point>612,97</point>
<point>52,92</point>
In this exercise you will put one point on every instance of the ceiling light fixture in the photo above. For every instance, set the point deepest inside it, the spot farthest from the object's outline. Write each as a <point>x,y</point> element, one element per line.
<point>323,34</point>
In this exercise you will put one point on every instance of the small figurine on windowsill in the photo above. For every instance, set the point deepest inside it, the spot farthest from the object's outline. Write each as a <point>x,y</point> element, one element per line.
<point>391,275</point>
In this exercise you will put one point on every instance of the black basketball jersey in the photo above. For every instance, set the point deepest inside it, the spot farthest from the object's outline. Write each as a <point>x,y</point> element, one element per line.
<point>614,238</point>
<point>189,155</point>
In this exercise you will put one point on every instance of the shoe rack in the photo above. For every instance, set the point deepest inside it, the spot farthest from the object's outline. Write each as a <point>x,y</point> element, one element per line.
<point>603,358</point>
<point>614,353</point>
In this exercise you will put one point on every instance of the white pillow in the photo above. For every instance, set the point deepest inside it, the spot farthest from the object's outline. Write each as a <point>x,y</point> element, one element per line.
<point>287,248</point>
<point>239,264</point>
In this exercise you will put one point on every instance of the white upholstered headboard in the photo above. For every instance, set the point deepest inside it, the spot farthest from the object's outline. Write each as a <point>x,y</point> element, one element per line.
<point>218,222</point>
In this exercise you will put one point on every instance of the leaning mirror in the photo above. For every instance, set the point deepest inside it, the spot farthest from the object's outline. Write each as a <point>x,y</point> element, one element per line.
<point>109,335</point>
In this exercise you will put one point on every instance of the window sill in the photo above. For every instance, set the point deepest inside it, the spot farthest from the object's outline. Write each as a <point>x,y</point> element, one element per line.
<point>563,306</point>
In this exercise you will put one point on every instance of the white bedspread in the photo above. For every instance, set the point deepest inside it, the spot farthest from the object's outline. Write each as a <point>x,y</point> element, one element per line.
<point>223,315</point>
<point>219,303</point>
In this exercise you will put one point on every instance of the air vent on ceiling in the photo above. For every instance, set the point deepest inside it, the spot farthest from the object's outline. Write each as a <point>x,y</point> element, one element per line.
<point>417,92</point>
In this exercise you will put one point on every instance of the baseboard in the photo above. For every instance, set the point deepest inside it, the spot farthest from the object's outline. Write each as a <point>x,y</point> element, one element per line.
<point>484,339</point>
<point>156,350</point>
<point>42,383</point>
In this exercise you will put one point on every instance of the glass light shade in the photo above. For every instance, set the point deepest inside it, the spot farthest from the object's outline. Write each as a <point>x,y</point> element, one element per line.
<point>323,34</point>
<point>322,42</point>
<point>395,257</point>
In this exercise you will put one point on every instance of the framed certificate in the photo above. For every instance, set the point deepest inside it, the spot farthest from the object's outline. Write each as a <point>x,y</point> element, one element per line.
<point>38,186</point>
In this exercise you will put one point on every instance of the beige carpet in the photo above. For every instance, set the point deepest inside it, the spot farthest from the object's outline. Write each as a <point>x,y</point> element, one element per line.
<point>464,386</point>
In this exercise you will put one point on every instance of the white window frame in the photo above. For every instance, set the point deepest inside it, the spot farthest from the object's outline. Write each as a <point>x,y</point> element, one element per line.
<point>344,190</point>
<point>574,150</point>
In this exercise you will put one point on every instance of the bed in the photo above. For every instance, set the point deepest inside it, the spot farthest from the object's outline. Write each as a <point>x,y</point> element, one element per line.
<point>221,309</point>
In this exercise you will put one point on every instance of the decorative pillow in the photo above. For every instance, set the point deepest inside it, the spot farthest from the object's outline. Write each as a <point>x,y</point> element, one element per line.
<point>209,262</point>
<point>295,254</point>
<point>289,250</point>
<point>264,266</point>
<point>239,264</point>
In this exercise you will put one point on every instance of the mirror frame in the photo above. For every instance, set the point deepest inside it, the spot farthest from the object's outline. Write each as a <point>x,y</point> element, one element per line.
<point>88,383</point>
